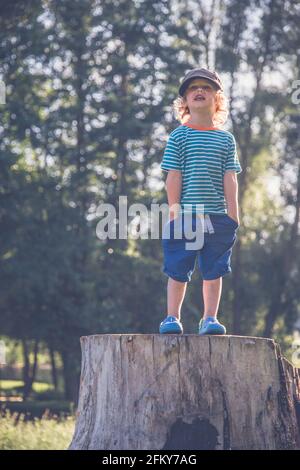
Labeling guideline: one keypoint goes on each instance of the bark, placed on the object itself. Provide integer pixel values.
(185, 392)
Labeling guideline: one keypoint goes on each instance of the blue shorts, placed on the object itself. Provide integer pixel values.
(213, 257)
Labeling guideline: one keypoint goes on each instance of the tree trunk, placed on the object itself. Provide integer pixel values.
(53, 367)
(26, 366)
(71, 375)
(29, 372)
(185, 392)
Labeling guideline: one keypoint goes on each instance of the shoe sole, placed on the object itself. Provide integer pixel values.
(169, 330)
(213, 330)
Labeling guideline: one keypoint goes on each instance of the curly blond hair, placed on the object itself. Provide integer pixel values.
(182, 112)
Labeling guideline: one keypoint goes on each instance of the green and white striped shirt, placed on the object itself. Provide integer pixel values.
(203, 155)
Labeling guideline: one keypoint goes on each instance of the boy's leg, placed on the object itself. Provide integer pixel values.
(176, 294)
(209, 325)
(214, 260)
(211, 296)
(214, 263)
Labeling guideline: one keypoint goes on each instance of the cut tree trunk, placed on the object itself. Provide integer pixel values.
(173, 392)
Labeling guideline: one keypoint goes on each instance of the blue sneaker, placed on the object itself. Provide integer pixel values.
(170, 325)
(211, 326)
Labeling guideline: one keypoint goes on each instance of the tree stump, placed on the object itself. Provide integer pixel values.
(171, 392)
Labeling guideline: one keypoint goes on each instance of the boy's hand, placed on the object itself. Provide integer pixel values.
(173, 214)
(234, 217)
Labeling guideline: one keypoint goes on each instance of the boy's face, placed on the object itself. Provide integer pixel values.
(200, 93)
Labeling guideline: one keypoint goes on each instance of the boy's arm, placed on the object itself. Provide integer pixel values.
(231, 194)
(173, 186)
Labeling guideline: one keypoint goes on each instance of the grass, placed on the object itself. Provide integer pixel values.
(39, 434)
(45, 421)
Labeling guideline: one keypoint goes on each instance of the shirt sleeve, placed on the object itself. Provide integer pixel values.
(232, 161)
(171, 158)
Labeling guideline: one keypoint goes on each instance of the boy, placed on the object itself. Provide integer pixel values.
(202, 163)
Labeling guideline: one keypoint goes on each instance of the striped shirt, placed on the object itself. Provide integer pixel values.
(203, 155)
